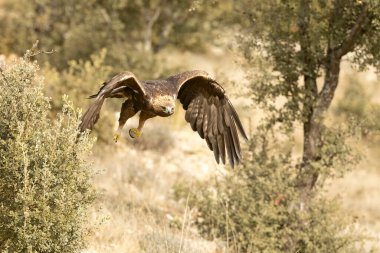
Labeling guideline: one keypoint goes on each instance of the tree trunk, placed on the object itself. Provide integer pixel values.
(317, 103)
(311, 149)
(313, 126)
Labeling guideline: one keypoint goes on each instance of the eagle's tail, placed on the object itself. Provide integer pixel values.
(91, 116)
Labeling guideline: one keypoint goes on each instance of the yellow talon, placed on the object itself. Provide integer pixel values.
(116, 137)
(134, 133)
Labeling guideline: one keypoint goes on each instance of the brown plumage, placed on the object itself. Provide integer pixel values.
(208, 110)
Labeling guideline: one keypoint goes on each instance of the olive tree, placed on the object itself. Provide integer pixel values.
(304, 42)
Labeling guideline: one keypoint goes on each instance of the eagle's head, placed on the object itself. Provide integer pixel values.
(163, 105)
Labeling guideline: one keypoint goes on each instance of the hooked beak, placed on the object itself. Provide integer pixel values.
(168, 110)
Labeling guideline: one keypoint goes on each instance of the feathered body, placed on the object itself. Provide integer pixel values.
(159, 93)
(208, 110)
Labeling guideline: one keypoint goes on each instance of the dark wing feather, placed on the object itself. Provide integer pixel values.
(109, 88)
(199, 125)
(210, 113)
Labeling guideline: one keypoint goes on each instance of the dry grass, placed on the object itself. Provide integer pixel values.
(137, 210)
(359, 189)
(135, 230)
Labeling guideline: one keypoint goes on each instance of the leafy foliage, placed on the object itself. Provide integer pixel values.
(300, 41)
(45, 180)
(77, 29)
(255, 208)
(287, 41)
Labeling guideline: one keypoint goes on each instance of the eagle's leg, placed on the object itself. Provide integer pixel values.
(128, 110)
(136, 132)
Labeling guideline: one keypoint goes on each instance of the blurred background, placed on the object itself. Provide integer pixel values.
(162, 192)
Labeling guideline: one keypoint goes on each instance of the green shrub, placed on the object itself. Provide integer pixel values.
(45, 180)
(256, 208)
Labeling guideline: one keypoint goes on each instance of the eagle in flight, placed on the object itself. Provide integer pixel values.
(208, 110)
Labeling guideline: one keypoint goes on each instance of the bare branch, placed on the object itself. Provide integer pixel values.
(34, 51)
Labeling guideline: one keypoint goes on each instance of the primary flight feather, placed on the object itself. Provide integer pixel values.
(208, 110)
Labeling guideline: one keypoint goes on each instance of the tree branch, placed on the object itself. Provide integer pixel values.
(149, 31)
(333, 59)
(326, 95)
(349, 42)
(310, 65)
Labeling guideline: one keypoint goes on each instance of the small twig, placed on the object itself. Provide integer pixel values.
(166, 239)
(228, 239)
(34, 51)
(183, 223)
(43, 52)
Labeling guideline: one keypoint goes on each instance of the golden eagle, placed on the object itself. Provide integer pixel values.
(208, 110)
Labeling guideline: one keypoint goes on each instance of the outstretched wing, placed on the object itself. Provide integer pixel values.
(210, 113)
(109, 88)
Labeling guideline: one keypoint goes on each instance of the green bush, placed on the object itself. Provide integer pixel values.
(45, 180)
(256, 208)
